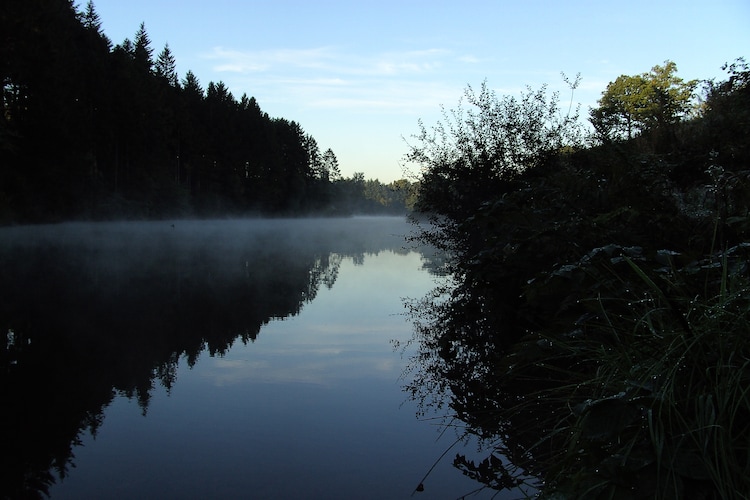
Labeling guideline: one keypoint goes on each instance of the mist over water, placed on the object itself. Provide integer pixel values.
(214, 236)
(194, 359)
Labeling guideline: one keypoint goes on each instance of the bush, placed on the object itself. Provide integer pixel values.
(594, 330)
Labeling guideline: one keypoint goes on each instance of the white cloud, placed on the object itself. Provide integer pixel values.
(231, 60)
(469, 59)
(329, 78)
(327, 60)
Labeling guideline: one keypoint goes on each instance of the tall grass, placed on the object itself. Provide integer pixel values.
(633, 383)
(654, 385)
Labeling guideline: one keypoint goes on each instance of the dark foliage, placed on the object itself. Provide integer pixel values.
(595, 330)
(91, 131)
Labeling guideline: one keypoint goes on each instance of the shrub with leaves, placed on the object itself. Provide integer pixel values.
(594, 329)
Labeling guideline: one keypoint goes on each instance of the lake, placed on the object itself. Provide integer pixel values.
(216, 359)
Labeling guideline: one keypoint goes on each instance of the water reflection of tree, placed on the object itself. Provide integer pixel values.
(453, 373)
(89, 317)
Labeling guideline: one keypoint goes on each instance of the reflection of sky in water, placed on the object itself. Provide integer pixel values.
(311, 409)
(343, 334)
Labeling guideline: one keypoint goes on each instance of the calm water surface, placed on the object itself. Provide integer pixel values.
(215, 359)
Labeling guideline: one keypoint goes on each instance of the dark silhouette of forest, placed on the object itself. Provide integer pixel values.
(92, 130)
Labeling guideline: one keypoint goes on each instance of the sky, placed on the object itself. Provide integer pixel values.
(358, 75)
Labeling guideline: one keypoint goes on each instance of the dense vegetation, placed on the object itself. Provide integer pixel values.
(89, 130)
(594, 330)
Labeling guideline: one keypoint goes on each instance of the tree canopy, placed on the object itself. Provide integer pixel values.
(634, 104)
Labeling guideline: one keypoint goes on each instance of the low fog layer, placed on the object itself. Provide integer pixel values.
(138, 242)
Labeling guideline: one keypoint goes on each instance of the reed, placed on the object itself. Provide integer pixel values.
(656, 385)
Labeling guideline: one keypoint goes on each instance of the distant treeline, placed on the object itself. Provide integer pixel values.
(96, 131)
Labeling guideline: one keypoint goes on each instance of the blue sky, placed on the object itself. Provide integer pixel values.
(358, 75)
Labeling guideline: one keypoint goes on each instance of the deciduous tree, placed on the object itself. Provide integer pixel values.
(634, 104)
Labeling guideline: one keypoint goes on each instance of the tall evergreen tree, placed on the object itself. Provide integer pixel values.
(191, 85)
(315, 161)
(331, 165)
(166, 66)
(142, 50)
(90, 18)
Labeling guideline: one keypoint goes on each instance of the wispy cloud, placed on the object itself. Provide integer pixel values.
(403, 97)
(332, 78)
(239, 61)
(326, 59)
(409, 62)
(469, 59)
